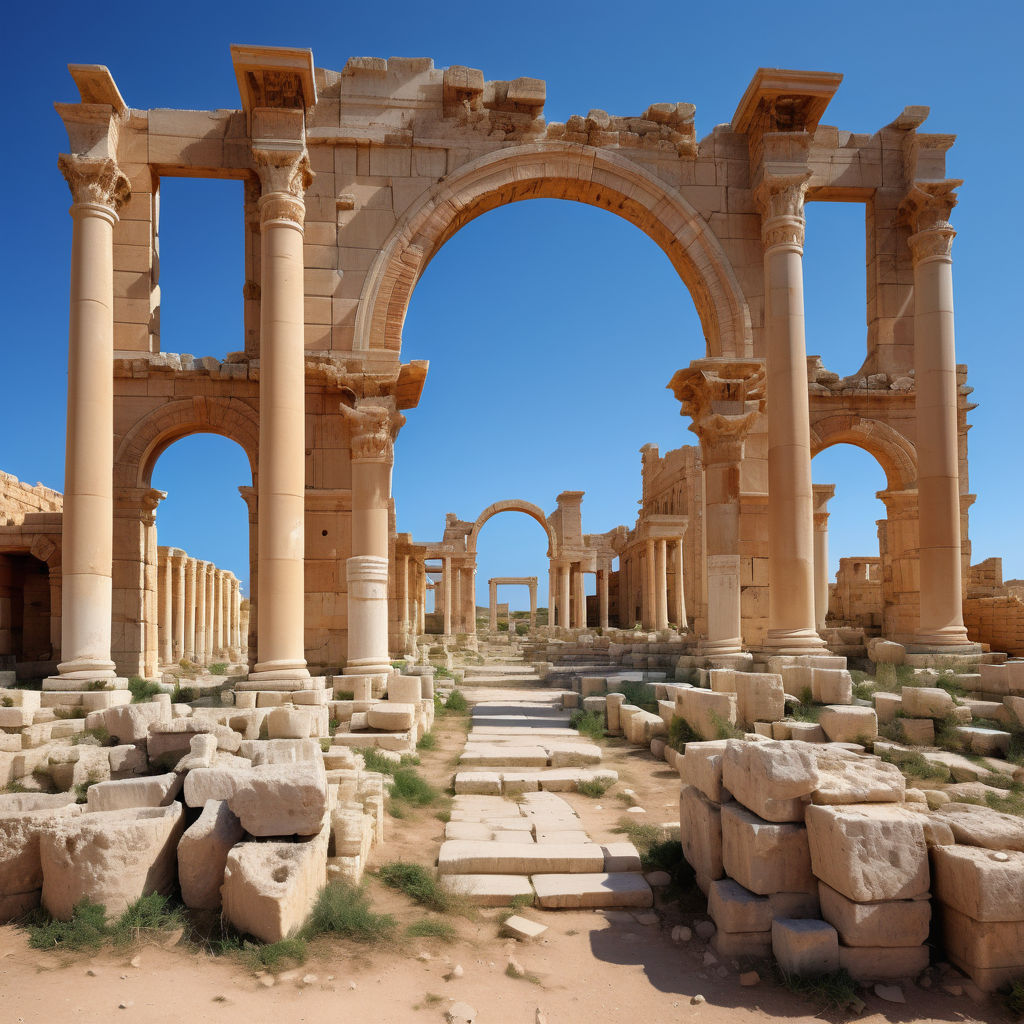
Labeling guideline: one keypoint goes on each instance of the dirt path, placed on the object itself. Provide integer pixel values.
(591, 967)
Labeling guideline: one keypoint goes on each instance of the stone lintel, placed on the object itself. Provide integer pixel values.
(779, 99)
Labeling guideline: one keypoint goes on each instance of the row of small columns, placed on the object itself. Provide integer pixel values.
(567, 601)
(200, 610)
(455, 597)
(662, 598)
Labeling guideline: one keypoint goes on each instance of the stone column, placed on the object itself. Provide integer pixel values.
(178, 560)
(661, 583)
(458, 610)
(723, 401)
(200, 592)
(533, 605)
(190, 608)
(165, 623)
(373, 425)
(284, 176)
(248, 622)
(651, 591)
(493, 605)
(551, 593)
(446, 590)
(823, 493)
(602, 598)
(564, 603)
(403, 581)
(218, 613)
(679, 596)
(941, 618)
(421, 626)
(98, 188)
(791, 625)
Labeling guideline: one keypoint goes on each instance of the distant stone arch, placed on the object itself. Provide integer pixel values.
(890, 449)
(155, 432)
(595, 177)
(513, 505)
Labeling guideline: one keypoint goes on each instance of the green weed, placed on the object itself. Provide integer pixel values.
(588, 723)
(345, 910)
(456, 702)
(432, 928)
(680, 732)
(594, 787)
(428, 741)
(142, 689)
(217, 668)
(183, 694)
(419, 884)
(99, 735)
(835, 990)
(408, 785)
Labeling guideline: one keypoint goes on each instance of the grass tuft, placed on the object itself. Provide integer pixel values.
(432, 928)
(428, 741)
(680, 732)
(835, 990)
(89, 928)
(142, 689)
(588, 723)
(1013, 996)
(594, 787)
(344, 909)
(408, 785)
(456, 702)
(183, 694)
(99, 737)
(419, 884)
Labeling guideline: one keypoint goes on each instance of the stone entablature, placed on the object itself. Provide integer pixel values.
(18, 499)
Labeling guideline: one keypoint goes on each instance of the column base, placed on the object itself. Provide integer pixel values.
(711, 648)
(942, 640)
(86, 669)
(793, 641)
(280, 684)
(367, 667)
(73, 684)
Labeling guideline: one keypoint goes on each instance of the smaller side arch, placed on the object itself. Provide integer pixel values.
(894, 452)
(157, 430)
(512, 505)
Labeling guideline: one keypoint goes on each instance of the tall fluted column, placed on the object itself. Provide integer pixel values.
(602, 598)
(723, 400)
(165, 620)
(98, 190)
(493, 605)
(661, 583)
(190, 609)
(564, 602)
(822, 495)
(791, 623)
(217, 647)
(178, 560)
(284, 176)
(938, 480)
(679, 595)
(403, 580)
(373, 425)
(459, 610)
(211, 612)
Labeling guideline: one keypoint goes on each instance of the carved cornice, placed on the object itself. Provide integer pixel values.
(373, 426)
(95, 180)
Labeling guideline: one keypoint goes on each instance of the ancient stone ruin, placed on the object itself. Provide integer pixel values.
(849, 753)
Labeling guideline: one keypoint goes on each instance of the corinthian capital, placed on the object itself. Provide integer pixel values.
(96, 180)
(780, 198)
(373, 426)
(926, 208)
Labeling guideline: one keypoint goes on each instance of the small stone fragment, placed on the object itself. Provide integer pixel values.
(750, 978)
(890, 993)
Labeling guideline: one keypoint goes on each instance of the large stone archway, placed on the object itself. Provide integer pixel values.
(513, 505)
(555, 171)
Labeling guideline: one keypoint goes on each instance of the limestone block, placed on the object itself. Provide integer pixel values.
(73, 766)
(288, 723)
(15, 718)
(705, 711)
(612, 703)
(886, 652)
(466, 857)
(202, 753)
(805, 947)
(701, 767)
(150, 791)
(888, 923)
(845, 779)
(982, 944)
(359, 721)
(281, 800)
(617, 856)
(831, 686)
(700, 829)
(591, 686)
(986, 742)
(886, 706)
(759, 697)
(644, 726)
(392, 717)
(581, 890)
(270, 888)
(12, 803)
(736, 909)
(869, 852)
(489, 890)
(30, 700)
(742, 944)
(595, 704)
(126, 760)
(987, 885)
(883, 963)
(110, 857)
(304, 751)
(763, 856)
(573, 755)
(203, 853)
(926, 702)
(503, 755)
(773, 778)
(806, 732)
(20, 867)
(486, 783)
(918, 732)
(977, 825)
(565, 780)
(130, 723)
(848, 724)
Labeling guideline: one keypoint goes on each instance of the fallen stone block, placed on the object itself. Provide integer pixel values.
(977, 825)
(281, 751)
(203, 853)
(831, 686)
(869, 852)
(986, 742)
(845, 779)
(888, 923)
(479, 755)
(522, 929)
(805, 947)
(849, 724)
(489, 890)
(391, 717)
(20, 867)
(150, 791)
(773, 778)
(592, 890)
(742, 944)
(270, 888)
(706, 712)
(926, 702)
(618, 857)
(700, 829)
(701, 767)
(734, 908)
(110, 857)
(765, 857)
(886, 706)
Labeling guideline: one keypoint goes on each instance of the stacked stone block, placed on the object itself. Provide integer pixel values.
(367, 718)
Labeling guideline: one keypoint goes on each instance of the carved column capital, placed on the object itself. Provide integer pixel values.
(780, 199)
(926, 208)
(98, 181)
(373, 426)
(284, 176)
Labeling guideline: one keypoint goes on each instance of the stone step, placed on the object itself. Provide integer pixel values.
(580, 890)
(489, 890)
(473, 857)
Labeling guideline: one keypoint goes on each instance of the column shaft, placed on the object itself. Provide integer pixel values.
(563, 600)
(679, 595)
(602, 598)
(190, 609)
(165, 585)
(446, 576)
(661, 584)
(178, 647)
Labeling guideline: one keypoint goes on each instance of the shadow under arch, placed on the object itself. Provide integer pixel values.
(556, 171)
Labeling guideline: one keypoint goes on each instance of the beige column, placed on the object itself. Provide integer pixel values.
(98, 189)
(241, 640)
(938, 482)
(661, 583)
(165, 587)
(791, 624)
(446, 590)
(421, 627)
(823, 493)
(373, 425)
(678, 611)
(492, 608)
(178, 560)
(533, 605)
(211, 606)
(403, 580)
(471, 598)
(284, 177)
(190, 608)
(551, 593)
(218, 612)
(564, 603)
(651, 589)
(200, 648)
(458, 610)
(602, 598)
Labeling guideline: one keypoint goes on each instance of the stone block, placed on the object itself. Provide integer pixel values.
(736, 909)
(985, 884)
(701, 767)
(270, 888)
(489, 890)
(985, 742)
(203, 853)
(622, 856)
(763, 856)
(130, 723)
(883, 963)
(983, 945)
(869, 852)
(288, 723)
(466, 857)
(742, 944)
(700, 829)
(305, 751)
(806, 732)
(848, 724)
(918, 732)
(592, 890)
(886, 706)
(150, 791)
(849, 779)
(774, 778)
(705, 711)
(391, 717)
(888, 923)
(831, 686)
(805, 947)
(926, 702)
(110, 857)
(404, 689)
(20, 867)
(977, 825)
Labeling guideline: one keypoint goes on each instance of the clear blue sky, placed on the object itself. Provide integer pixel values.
(551, 328)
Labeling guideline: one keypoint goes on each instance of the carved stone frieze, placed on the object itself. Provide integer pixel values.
(95, 180)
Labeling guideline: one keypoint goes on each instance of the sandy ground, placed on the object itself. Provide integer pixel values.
(588, 967)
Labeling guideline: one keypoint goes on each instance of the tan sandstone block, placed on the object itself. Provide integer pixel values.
(883, 963)
(805, 947)
(701, 767)
(844, 724)
(986, 884)
(700, 828)
(764, 856)
(203, 853)
(773, 779)
(888, 923)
